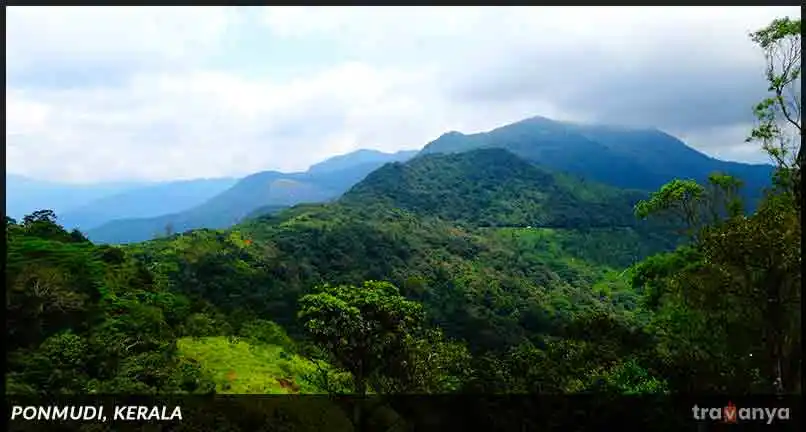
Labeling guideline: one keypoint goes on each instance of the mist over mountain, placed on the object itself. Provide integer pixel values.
(624, 157)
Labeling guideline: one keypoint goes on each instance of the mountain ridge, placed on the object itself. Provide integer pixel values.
(627, 157)
(623, 157)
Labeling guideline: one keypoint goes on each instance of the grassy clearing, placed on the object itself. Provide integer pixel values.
(240, 367)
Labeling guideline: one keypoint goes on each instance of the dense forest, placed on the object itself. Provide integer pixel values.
(466, 273)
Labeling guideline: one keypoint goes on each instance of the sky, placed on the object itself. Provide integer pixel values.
(161, 93)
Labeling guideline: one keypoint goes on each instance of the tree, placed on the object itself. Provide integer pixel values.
(732, 309)
(690, 206)
(779, 115)
(360, 327)
(42, 223)
(48, 216)
(380, 338)
(780, 133)
(760, 258)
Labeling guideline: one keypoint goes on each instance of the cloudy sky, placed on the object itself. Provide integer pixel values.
(114, 93)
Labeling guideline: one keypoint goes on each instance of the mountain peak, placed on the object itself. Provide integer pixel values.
(452, 133)
(538, 119)
(622, 156)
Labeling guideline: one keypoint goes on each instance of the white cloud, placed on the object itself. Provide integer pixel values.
(117, 93)
(24, 117)
(202, 124)
(39, 36)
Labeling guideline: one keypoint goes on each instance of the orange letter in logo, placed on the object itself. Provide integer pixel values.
(730, 413)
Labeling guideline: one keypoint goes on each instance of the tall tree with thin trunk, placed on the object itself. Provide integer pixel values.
(779, 115)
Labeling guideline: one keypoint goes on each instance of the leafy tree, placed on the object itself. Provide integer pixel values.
(361, 328)
(40, 216)
(779, 115)
(728, 305)
(428, 364)
(88, 319)
(379, 337)
(693, 206)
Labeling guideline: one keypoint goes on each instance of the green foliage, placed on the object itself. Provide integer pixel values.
(474, 272)
(240, 366)
(361, 328)
(737, 288)
(687, 204)
(492, 187)
(726, 308)
(266, 332)
(87, 319)
(202, 324)
(629, 378)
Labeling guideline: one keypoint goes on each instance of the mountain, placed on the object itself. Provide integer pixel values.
(493, 187)
(624, 157)
(545, 307)
(490, 284)
(488, 242)
(25, 195)
(628, 158)
(144, 202)
(253, 195)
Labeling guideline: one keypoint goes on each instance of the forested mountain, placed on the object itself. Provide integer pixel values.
(255, 194)
(491, 288)
(633, 159)
(630, 158)
(493, 187)
(473, 272)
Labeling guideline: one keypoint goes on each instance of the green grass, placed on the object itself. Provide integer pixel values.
(240, 367)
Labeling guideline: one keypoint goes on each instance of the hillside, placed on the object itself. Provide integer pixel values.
(629, 158)
(493, 187)
(538, 309)
(387, 228)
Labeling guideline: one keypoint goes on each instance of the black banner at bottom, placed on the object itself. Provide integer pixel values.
(400, 413)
